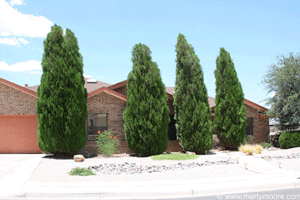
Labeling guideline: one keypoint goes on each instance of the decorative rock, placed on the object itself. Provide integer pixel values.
(79, 158)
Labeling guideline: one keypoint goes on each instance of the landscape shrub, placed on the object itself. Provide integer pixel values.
(250, 149)
(289, 139)
(107, 143)
(81, 172)
(265, 145)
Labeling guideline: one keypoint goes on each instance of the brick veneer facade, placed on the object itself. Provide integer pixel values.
(18, 100)
(15, 102)
(114, 107)
(260, 125)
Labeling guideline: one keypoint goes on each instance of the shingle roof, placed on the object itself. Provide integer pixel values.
(94, 86)
(98, 85)
(211, 100)
(89, 86)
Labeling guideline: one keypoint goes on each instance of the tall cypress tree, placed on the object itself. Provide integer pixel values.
(192, 111)
(230, 111)
(62, 102)
(146, 115)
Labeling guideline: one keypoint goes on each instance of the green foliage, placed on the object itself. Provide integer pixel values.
(107, 143)
(81, 172)
(62, 103)
(192, 111)
(230, 111)
(174, 156)
(146, 115)
(250, 139)
(289, 139)
(283, 80)
(266, 145)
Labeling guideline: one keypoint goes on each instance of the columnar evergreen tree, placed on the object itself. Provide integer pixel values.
(62, 103)
(146, 115)
(230, 111)
(192, 111)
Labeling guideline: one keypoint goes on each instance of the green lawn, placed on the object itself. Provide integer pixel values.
(174, 156)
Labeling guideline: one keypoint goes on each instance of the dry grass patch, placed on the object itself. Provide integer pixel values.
(250, 149)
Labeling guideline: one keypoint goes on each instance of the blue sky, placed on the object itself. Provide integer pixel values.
(253, 32)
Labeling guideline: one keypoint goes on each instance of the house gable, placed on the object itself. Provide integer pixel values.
(108, 91)
(16, 100)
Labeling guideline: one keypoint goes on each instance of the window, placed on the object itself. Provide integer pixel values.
(96, 122)
(249, 128)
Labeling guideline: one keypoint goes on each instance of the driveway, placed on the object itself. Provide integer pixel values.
(15, 169)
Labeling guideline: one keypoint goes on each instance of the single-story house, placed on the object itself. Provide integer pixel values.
(106, 104)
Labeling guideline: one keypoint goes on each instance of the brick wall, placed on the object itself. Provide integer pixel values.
(122, 90)
(260, 125)
(106, 103)
(15, 102)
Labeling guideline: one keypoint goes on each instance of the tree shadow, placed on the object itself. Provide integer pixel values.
(61, 156)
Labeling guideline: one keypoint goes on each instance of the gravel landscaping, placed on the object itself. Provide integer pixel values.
(135, 168)
(291, 156)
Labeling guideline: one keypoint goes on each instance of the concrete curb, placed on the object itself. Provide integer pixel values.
(159, 189)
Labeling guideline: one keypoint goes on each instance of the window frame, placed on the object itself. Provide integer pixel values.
(93, 130)
(250, 126)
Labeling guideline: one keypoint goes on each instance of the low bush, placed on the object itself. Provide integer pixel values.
(81, 172)
(107, 143)
(289, 139)
(174, 156)
(250, 149)
(258, 148)
(265, 145)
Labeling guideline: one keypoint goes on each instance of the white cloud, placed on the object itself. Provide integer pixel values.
(34, 72)
(16, 2)
(27, 66)
(13, 41)
(15, 23)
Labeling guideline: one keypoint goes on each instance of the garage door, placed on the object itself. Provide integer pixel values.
(18, 134)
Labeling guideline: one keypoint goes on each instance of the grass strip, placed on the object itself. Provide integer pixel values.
(174, 156)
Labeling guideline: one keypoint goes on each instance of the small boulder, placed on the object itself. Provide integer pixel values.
(79, 158)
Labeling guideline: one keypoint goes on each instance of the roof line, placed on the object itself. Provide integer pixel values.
(250, 103)
(108, 91)
(18, 87)
(118, 85)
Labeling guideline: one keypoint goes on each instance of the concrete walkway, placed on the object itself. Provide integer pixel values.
(49, 177)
